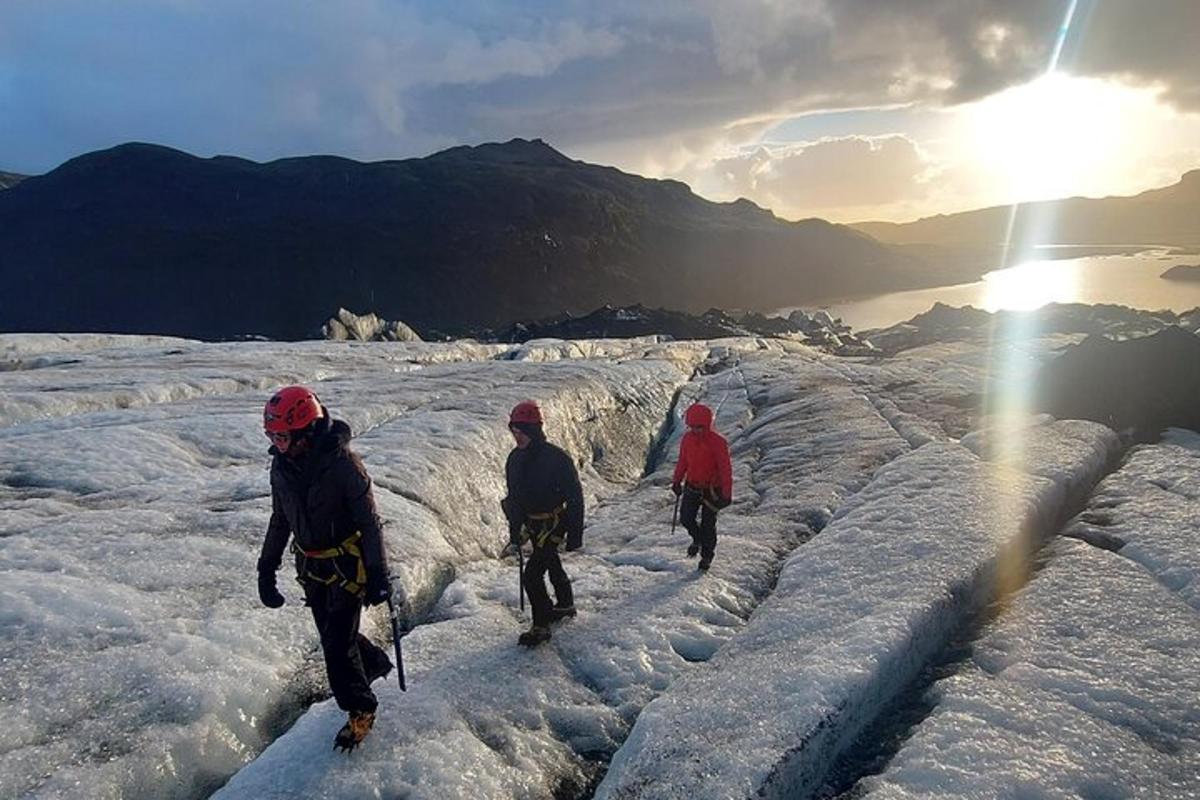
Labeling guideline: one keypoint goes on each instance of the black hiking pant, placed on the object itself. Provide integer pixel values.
(352, 661)
(703, 533)
(545, 560)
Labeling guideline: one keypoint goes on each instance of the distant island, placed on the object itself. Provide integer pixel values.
(1183, 272)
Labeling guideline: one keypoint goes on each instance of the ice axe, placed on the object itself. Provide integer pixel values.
(398, 628)
(675, 515)
(521, 575)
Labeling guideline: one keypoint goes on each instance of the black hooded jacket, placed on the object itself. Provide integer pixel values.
(322, 498)
(541, 477)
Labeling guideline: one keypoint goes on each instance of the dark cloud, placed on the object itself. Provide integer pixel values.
(1142, 42)
(379, 78)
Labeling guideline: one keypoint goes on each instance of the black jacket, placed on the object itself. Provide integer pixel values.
(321, 499)
(541, 477)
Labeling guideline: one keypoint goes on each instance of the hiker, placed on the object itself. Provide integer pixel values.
(704, 479)
(321, 498)
(544, 505)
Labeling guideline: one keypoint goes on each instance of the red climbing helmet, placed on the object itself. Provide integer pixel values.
(291, 409)
(698, 415)
(526, 412)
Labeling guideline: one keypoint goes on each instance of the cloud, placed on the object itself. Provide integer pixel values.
(841, 178)
(1141, 43)
(649, 86)
(364, 78)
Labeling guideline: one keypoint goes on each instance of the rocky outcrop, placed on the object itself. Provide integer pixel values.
(818, 330)
(945, 323)
(346, 326)
(1141, 386)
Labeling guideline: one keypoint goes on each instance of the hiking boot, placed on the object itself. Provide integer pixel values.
(693, 549)
(559, 613)
(534, 636)
(704, 564)
(354, 731)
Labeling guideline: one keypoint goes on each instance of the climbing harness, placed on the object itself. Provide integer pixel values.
(546, 529)
(335, 557)
(708, 495)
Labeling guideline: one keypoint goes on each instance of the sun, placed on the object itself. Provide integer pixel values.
(1051, 136)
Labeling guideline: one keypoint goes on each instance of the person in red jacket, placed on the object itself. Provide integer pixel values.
(704, 479)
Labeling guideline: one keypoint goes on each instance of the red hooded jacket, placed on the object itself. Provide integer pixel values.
(704, 455)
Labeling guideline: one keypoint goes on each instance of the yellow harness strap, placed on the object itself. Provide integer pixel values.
(547, 525)
(349, 547)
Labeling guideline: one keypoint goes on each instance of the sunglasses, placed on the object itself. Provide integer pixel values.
(282, 441)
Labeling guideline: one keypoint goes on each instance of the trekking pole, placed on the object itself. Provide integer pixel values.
(675, 515)
(398, 630)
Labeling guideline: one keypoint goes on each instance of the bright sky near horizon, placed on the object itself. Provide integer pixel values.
(845, 109)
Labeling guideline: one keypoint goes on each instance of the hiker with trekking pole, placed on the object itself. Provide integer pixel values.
(544, 506)
(702, 483)
(321, 500)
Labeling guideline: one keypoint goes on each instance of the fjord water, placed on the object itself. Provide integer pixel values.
(1130, 280)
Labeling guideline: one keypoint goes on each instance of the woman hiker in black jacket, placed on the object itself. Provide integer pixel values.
(544, 505)
(321, 498)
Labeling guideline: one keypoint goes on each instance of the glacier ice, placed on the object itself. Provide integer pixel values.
(1086, 687)
(875, 509)
(855, 615)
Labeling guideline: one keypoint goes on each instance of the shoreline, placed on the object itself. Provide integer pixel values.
(865, 311)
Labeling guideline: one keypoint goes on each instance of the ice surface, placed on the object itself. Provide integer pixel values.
(1149, 511)
(135, 660)
(58, 375)
(539, 724)
(134, 657)
(856, 613)
(1070, 453)
(1085, 688)
(18, 348)
(937, 391)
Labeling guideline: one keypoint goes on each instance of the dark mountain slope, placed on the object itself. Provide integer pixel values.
(147, 239)
(1166, 216)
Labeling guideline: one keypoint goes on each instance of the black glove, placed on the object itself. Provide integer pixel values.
(514, 535)
(722, 502)
(574, 540)
(267, 593)
(379, 588)
(677, 488)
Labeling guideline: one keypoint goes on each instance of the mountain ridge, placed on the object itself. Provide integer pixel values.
(10, 179)
(1165, 215)
(146, 238)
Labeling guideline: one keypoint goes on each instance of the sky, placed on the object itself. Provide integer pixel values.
(844, 109)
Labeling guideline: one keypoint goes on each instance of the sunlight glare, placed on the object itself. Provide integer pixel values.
(1052, 135)
(1030, 285)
